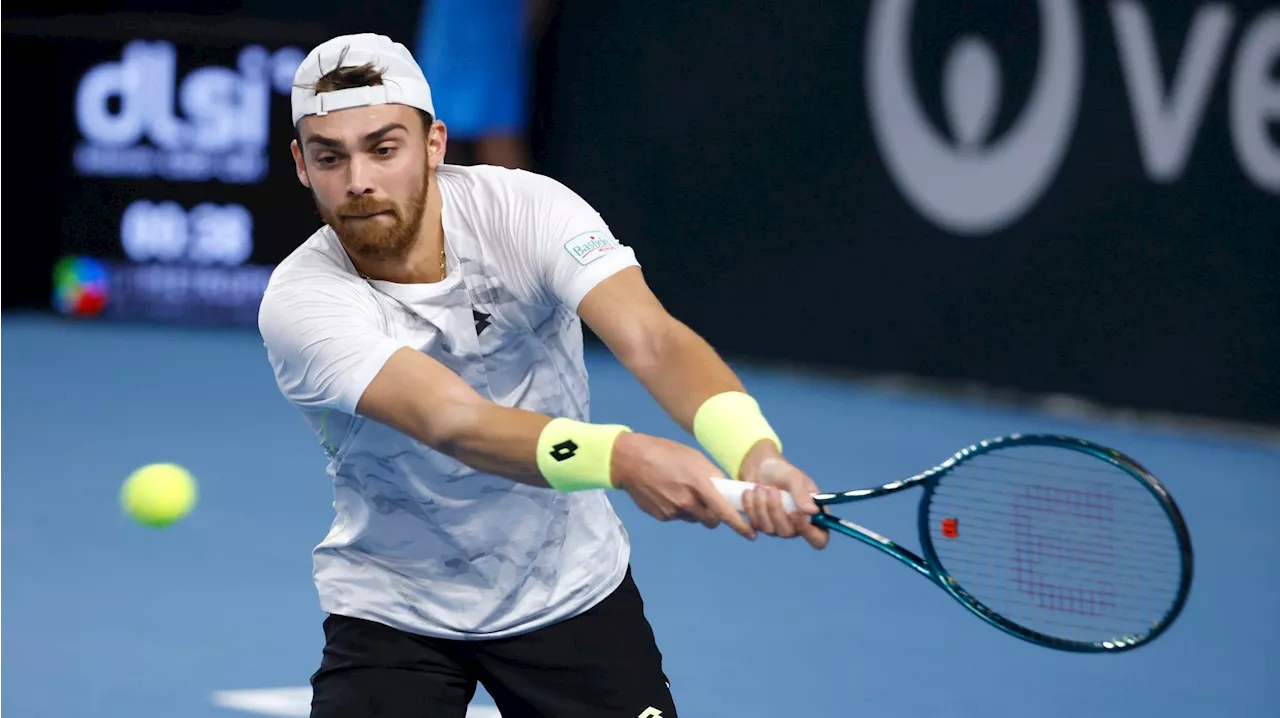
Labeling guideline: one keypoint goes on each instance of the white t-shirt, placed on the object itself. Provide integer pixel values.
(420, 541)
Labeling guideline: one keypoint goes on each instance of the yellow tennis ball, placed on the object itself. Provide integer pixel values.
(157, 495)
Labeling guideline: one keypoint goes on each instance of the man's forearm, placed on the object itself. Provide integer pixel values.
(681, 372)
(505, 442)
(421, 398)
(495, 439)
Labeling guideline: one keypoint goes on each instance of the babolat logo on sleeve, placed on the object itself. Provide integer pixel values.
(590, 246)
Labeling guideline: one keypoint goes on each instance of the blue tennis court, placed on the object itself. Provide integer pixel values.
(111, 620)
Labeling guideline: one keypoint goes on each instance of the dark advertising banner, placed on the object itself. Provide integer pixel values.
(1054, 196)
(177, 193)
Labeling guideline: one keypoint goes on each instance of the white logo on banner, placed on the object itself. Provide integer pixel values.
(982, 183)
(1169, 104)
(139, 118)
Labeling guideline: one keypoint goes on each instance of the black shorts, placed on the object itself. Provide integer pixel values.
(602, 663)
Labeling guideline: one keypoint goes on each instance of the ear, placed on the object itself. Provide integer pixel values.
(299, 164)
(437, 139)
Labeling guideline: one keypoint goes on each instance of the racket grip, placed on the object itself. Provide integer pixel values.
(733, 491)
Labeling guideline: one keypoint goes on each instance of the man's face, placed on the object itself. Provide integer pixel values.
(367, 168)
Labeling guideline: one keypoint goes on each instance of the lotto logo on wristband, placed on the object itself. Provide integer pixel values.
(564, 450)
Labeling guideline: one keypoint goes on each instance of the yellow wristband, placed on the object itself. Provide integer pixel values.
(728, 425)
(573, 455)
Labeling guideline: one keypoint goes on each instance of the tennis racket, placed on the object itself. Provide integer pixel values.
(1052, 539)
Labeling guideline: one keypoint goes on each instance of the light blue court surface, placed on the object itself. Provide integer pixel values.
(104, 618)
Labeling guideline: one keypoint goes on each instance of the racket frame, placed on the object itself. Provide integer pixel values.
(930, 566)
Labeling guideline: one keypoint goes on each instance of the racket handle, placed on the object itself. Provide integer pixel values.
(733, 491)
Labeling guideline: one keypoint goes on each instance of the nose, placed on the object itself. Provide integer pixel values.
(359, 177)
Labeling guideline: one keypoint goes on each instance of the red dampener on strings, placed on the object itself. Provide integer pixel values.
(951, 528)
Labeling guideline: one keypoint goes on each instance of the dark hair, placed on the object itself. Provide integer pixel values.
(345, 78)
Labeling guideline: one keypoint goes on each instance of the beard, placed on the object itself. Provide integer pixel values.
(378, 238)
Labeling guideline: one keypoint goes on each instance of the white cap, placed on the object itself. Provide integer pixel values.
(402, 81)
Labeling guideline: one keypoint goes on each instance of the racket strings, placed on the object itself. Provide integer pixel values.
(1067, 610)
(1058, 542)
(1142, 578)
(1016, 582)
(995, 580)
(1085, 495)
(1097, 550)
(1153, 538)
(1143, 526)
(1081, 469)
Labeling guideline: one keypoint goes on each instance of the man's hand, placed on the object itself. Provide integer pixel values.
(669, 480)
(772, 474)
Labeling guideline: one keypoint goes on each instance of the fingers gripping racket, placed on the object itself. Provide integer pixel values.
(1054, 540)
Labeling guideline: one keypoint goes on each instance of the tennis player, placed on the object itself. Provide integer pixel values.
(431, 334)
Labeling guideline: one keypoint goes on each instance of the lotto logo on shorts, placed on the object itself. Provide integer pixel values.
(590, 246)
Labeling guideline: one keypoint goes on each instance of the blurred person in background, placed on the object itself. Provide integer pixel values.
(479, 55)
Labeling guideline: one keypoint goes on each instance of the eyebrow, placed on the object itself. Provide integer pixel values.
(370, 138)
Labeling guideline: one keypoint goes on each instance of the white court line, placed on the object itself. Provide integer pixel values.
(296, 702)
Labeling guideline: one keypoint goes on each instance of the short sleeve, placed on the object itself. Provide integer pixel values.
(567, 242)
(324, 342)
